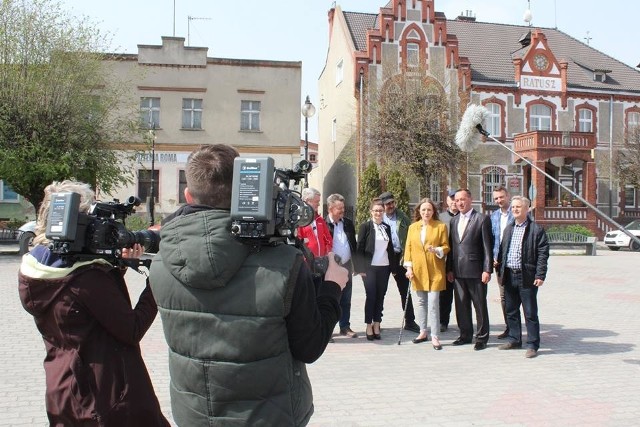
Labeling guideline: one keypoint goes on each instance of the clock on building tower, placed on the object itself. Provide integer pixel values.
(540, 62)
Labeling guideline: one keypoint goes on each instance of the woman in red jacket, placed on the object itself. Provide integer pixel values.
(94, 370)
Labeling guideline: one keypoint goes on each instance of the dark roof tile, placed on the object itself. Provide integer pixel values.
(491, 47)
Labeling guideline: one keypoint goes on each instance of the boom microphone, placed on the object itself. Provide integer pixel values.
(468, 135)
(468, 138)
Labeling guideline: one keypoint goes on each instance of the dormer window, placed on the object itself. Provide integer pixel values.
(600, 75)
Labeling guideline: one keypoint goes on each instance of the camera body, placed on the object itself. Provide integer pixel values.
(263, 207)
(100, 233)
(265, 210)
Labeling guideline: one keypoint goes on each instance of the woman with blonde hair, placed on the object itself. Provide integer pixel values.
(424, 258)
(94, 370)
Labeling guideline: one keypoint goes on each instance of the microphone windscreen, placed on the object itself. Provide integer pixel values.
(468, 137)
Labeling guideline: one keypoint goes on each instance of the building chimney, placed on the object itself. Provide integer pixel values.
(466, 15)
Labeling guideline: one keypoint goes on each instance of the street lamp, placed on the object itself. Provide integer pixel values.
(308, 110)
(152, 135)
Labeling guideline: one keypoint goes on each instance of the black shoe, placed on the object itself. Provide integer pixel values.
(370, 337)
(376, 335)
(412, 326)
(443, 328)
(480, 346)
(503, 335)
(460, 341)
(419, 340)
(510, 346)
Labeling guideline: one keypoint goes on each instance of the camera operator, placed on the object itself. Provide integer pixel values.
(240, 322)
(94, 370)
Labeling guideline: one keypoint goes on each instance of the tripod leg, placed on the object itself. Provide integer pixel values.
(404, 314)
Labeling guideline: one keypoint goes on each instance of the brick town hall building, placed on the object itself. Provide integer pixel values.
(558, 102)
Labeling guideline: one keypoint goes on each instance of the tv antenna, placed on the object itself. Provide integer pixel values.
(189, 19)
(588, 38)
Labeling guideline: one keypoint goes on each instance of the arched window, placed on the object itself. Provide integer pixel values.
(540, 117)
(492, 177)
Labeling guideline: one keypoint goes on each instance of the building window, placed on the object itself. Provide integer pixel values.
(334, 130)
(182, 184)
(493, 120)
(250, 115)
(413, 54)
(540, 118)
(492, 177)
(585, 120)
(312, 157)
(339, 72)
(7, 194)
(434, 189)
(633, 125)
(144, 184)
(191, 113)
(150, 113)
(630, 197)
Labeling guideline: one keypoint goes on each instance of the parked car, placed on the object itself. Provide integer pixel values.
(25, 238)
(617, 239)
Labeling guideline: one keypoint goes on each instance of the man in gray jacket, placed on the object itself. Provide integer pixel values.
(240, 323)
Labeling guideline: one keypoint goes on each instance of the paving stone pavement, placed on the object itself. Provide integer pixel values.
(587, 372)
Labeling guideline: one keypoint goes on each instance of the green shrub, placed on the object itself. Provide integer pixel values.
(573, 228)
(139, 222)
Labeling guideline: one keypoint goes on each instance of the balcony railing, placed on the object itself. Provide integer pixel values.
(554, 140)
(562, 213)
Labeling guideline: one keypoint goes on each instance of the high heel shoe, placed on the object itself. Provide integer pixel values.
(370, 337)
(436, 343)
(376, 335)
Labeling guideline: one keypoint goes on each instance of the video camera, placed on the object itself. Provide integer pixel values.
(100, 233)
(266, 211)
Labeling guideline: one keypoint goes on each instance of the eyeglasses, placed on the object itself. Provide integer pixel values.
(377, 210)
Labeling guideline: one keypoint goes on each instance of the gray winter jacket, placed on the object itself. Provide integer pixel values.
(223, 310)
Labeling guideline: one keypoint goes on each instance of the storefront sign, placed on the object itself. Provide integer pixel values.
(162, 157)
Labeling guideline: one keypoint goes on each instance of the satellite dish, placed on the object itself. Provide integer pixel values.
(527, 16)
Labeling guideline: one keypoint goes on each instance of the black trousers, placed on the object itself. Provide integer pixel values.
(400, 275)
(375, 288)
(468, 291)
(446, 301)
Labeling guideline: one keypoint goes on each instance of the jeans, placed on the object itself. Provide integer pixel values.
(517, 294)
(428, 311)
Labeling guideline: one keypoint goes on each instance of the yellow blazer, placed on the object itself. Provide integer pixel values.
(429, 271)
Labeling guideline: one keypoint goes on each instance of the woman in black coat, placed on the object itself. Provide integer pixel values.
(374, 255)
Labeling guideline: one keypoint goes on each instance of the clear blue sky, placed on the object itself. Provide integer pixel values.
(297, 30)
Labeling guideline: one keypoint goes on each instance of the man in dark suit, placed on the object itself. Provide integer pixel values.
(344, 245)
(470, 264)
